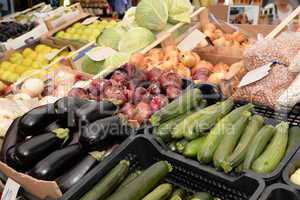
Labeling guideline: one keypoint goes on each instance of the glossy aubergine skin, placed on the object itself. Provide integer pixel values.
(12, 161)
(37, 119)
(66, 105)
(102, 133)
(12, 137)
(94, 110)
(54, 125)
(66, 181)
(36, 148)
(56, 163)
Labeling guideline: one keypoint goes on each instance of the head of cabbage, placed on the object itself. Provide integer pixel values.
(128, 20)
(135, 40)
(179, 11)
(152, 14)
(110, 37)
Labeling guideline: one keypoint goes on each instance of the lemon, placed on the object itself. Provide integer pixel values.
(32, 56)
(27, 52)
(27, 62)
(39, 48)
(5, 65)
(36, 65)
(20, 69)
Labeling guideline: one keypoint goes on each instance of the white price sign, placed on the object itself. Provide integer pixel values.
(10, 190)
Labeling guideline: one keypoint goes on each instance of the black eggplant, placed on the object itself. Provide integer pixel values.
(37, 119)
(54, 125)
(13, 161)
(12, 137)
(36, 148)
(102, 133)
(57, 163)
(65, 109)
(94, 110)
(66, 181)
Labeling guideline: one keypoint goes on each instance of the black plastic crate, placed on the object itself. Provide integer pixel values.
(142, 152)
(279, 191)
(291, 167)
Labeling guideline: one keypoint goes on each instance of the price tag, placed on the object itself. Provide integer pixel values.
(53, 54)
(191, 41)
(10, 190)
(101, 53)
(256, 74)
(89, 20)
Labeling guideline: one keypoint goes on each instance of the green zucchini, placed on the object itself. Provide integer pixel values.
(187, 125)
(164, 131)
(213, 139)
(180, 145)
(189, 100)
(202, 196)
(192, 147)
(194, 125)
(294, 138)
(258, 144)
(172, 146)
(230, 140)
(144, 183)
(129, 179)
(162, 192)
(239, 153)
(178, 194)
(109, 183)
(275, 151)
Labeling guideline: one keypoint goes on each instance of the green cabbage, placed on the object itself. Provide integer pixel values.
(179, 11)
(128, 20)
(90, 66)
(110, 37)
(136, 39)
(152, 14)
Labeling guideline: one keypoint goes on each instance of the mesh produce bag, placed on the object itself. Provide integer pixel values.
(267, 90)
(282, 49)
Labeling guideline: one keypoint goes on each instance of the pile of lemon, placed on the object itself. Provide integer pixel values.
(24, 63)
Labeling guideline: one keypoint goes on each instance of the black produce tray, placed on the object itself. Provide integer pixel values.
(279, 191)
(212, 94)
(292, 166)
(143, 152)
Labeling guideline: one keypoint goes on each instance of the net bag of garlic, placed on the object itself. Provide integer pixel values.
(267, 90)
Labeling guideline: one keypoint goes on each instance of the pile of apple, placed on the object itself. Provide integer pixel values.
(85, 33)
(20, 64)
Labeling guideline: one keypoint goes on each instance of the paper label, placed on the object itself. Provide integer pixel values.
(256, 75)
(191, 41)
(53, 54)
(101, 53)
(89, 20)
(10, 190)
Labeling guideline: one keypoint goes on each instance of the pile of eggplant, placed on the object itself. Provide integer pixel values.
(64, 140)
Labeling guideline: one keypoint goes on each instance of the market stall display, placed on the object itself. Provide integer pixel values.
(203, 135)
(105, 109)
(56, 145)
(193, 179)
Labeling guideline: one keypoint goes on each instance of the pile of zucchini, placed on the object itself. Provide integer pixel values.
(231, 139)
(149, 184)
(63, 141)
